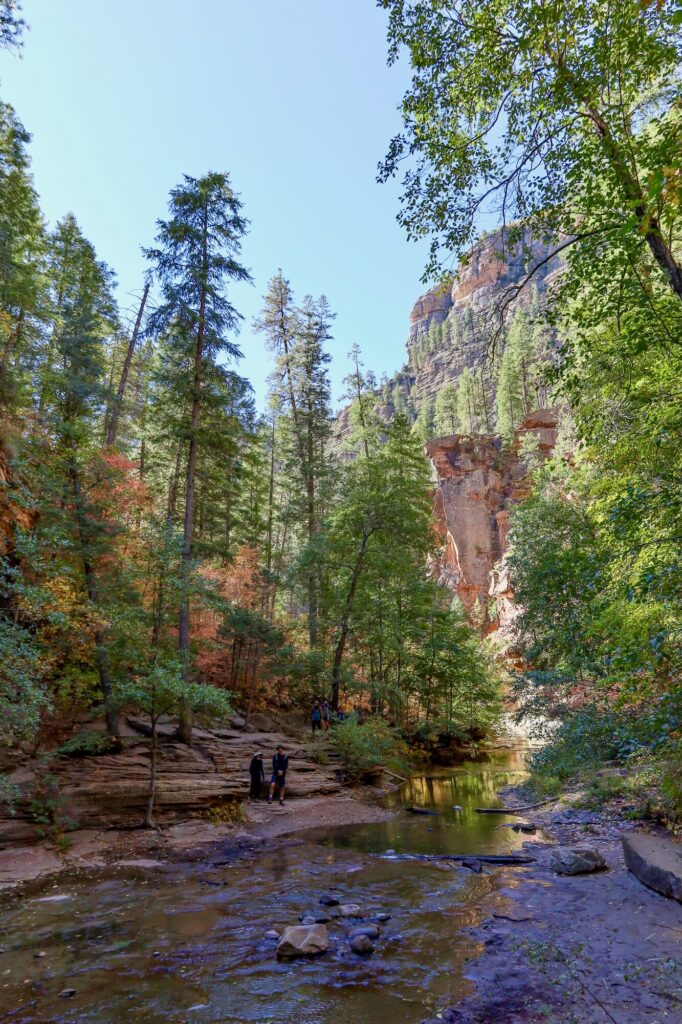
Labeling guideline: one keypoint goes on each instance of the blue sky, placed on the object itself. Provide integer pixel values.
(292, 97)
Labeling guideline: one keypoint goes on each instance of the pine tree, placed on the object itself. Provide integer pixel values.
(361, 393)
(73, 399)
(196, 257)
(22, 247)
(515, 392)
(422, 428)
(472, 409)
(445, 413)
(297, 336)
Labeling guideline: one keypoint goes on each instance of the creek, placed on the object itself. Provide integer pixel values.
(186, 942)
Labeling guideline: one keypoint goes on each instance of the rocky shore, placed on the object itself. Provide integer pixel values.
(575, 949)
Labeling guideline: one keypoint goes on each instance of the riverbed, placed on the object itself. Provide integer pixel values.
(186, 941)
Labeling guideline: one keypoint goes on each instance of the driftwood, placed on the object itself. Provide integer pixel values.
(422, 810)
(393, 775)
(483, 858)
(516, 810)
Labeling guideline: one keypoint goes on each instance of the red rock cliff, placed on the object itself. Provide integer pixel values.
(477, 483)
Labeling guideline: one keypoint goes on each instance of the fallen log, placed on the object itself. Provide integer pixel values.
(422, 810)
(394, 775)
(516, 810)
(483, 858)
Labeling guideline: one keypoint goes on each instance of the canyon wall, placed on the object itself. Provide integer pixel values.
(477, 482)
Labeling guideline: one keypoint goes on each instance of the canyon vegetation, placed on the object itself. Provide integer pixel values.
(495, 525)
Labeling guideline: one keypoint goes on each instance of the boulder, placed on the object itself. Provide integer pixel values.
(303, 940)
(656, 861)
(576, 860)
(362, 945)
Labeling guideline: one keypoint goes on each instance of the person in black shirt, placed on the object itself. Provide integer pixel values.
(280, 763)
(257, 773)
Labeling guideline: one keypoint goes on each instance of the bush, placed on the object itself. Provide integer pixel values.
(88, 743)
(363, 747)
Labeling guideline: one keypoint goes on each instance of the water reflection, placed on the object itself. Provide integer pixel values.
(169, 948)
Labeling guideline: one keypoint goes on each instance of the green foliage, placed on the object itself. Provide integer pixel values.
(47, 807)
(363, 747)
(22, 693)
(163, 690)
(88, 743)
(445, 411)
(508, 105)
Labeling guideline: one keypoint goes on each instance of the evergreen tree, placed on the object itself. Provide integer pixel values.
(422, 428)
(22, 245)
(73, 400)
(445, 413)
(515, 390)
(197, 255)
(301, 392)
(472, 406)
(361, 392)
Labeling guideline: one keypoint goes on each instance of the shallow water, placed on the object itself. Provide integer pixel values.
(186, 943)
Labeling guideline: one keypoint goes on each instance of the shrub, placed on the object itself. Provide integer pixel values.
(88, 743)
(365, 746)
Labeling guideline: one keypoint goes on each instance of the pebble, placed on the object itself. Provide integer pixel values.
(272, 934)
(383, 917)
(67, 993)
(329, 901)
(40, 955)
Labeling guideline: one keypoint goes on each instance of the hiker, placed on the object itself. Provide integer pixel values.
(326, 716)
(257, 773)
(280, 763)
(316, 717)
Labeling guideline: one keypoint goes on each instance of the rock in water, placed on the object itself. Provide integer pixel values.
(576, 860)
(349, 910)
(362, 945)
(372, 931)
(314, 917)
(271, 934)
(656, 861)
(329, 901)
(303, 940)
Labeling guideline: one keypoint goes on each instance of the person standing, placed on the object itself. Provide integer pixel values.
(280, 763)
(257, 773)
(316, 717)
(326, 716)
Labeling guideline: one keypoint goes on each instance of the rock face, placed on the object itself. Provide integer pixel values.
(303, 940)
(465, 307)
(576, 860)
(111, 790)
(478, 481)
(656, 861)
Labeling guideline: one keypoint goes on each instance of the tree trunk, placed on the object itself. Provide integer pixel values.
(185, 726)
(118, 401)
(345, 621)
(170, 516)
(111, 713)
